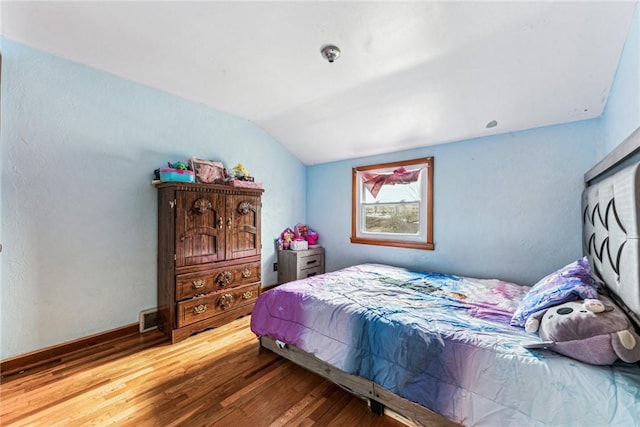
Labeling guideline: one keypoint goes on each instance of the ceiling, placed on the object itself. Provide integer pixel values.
(410, 74)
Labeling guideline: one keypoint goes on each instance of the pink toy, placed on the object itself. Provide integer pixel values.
(312, 237)
(304, 232)
(301, 230)
(287, 236)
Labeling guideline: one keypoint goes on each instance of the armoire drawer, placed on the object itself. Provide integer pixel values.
(200, 308)
(204, 282)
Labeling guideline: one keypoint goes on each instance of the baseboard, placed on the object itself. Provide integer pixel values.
(17, 364)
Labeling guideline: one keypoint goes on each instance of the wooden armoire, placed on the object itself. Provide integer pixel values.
(208, 256)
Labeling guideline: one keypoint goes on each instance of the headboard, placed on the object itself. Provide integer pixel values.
(611, 235)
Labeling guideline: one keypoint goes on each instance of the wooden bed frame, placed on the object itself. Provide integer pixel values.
(381, 400)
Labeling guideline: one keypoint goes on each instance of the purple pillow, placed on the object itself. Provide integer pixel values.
(571, 282)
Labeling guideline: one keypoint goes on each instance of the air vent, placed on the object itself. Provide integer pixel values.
(148, 320)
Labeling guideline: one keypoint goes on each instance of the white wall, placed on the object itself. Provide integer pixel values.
(79, 224)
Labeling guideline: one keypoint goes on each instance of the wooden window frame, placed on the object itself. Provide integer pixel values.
(427, 244)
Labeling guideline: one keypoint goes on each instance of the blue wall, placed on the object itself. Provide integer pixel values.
(79, 216)
(622, 112)
(79, 225)
(505, 206)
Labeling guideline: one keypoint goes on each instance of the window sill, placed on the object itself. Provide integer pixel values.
(427, 246)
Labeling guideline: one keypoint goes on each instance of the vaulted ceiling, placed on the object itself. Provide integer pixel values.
(410, 74)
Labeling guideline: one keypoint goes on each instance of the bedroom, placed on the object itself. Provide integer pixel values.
(79, 215)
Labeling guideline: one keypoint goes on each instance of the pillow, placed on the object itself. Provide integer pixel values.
(571, 282)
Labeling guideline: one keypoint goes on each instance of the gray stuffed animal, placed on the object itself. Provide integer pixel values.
(592, 331)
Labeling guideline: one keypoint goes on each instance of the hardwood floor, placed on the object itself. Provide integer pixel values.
(216, 378)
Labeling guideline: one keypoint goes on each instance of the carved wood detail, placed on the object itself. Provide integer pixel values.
(226, 301)
(201, 206)
(245, 207)
(224, 279)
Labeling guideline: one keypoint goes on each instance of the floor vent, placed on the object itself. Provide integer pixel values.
(148, 320)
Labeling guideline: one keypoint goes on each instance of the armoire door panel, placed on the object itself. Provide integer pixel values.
(243, 238)
(199, 229)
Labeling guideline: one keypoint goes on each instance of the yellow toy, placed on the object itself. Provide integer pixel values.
(240, 170)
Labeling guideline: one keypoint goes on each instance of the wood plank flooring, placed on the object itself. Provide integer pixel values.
(215, 378)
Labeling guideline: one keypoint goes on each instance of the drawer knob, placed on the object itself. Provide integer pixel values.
(199, 309)
(246, 273)
(197, 284)
(247, 295)
(224, 278)
(312, 262)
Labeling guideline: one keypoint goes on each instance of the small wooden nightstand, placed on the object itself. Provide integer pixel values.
(294, 265)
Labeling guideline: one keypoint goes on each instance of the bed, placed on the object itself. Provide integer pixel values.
(440, 349)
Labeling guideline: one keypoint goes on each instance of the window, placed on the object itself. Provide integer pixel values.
(392, 204)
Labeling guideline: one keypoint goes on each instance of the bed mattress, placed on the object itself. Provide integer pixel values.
(445, 342)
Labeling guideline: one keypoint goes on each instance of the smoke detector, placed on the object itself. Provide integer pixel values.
(330, 52)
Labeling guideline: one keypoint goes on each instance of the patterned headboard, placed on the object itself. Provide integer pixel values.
(611, 235)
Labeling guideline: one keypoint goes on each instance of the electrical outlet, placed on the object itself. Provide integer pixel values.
(275, 266)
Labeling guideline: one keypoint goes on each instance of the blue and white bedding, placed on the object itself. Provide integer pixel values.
(445, 342)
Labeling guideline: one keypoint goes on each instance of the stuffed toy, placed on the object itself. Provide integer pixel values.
(240, 170)
(287, 236)
(312, 237)
(592, 331)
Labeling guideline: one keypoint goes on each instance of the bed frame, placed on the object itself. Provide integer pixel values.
(381, 401)
(611, 228)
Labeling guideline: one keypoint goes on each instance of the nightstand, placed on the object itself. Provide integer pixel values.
(294, 265)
